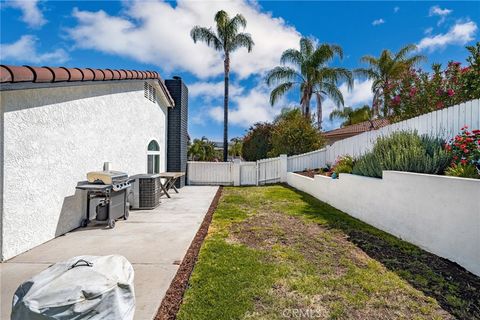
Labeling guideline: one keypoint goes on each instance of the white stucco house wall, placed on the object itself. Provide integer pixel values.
(56, 125)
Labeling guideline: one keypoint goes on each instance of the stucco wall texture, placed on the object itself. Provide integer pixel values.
(437, 213)
(53, 137)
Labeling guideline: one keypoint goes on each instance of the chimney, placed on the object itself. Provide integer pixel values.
(177, 137)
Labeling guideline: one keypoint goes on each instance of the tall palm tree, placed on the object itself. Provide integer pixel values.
(384, 70)
(311, 74)
(352, 116)
(226, 39)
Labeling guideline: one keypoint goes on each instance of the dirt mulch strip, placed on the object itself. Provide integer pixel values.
(174, 295)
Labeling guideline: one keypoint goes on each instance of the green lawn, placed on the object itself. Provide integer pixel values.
(276, 253)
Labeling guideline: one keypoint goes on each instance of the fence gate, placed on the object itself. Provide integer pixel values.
(268, 171)
(248, 173)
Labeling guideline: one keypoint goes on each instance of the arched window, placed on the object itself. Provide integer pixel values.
(153, 157)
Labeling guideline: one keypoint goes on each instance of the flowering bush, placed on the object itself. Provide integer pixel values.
(416, 92)
(343, 164)
(465, 149)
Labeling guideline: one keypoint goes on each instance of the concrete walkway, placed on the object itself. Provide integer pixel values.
(154, 241)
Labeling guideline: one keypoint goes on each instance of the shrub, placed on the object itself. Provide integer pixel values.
(256, 143)
(463, 170)
(343, 165)
(403, 151)
(294, 134)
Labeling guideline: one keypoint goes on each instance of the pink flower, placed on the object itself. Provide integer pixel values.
(440, 105)
(396, 99)
(450, 92)
(413, 91)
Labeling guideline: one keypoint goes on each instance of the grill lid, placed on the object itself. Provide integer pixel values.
(106, 177)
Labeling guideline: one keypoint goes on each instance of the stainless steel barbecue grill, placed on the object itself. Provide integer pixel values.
(110, 191)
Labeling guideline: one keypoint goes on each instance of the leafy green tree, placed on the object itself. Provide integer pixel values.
(202, 150)
(311, 74)
(384, 70)
(352, 116)
(257, 142)
(226, 39)
(293, 135)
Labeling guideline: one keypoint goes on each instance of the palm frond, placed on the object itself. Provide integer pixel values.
(206, 35)
(404, 51)
(242, 40)
(279, 91)
(292, 56)
(238, 21)
(306, 46)
(366, 73)
(282, 74)
(370, 60)
(332, 91)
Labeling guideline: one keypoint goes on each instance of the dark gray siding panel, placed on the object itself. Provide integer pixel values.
(177, 128)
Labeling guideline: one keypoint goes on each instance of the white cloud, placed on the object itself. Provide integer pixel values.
(378, 22)
(442, 13)
(249, 108)
(437, 11)
(212, 90)
(460, 33)
(396, 9)
(428, 30)
(31, 14)
(359, 96)
(144, 32)
(25, 50)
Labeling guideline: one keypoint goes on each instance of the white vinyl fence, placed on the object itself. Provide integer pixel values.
(444, 123)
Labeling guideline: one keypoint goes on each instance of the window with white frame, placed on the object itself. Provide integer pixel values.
(153, 157)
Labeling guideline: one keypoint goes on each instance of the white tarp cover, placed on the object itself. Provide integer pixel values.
(103, 290)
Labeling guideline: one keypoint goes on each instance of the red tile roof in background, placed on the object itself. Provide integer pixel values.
(16, 74)
(358, 128)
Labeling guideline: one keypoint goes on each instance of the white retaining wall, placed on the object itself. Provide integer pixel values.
(437, 213)
(52, 137)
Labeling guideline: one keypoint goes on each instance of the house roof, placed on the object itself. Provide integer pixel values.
(357, 128)
(30, 74)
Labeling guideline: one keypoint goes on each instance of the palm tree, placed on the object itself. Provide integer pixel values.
(386, 69)
(352, 116)
(309, 73)
(226, 39)
(235, 148)
(202, 150)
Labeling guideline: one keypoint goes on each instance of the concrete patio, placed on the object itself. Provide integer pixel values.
(154, 241)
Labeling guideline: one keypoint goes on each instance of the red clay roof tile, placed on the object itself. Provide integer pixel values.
(108, 74)
(358, 128)
(20, 74)
(75, 74)
(5, 74)
(59, 74)
(13, 74)
(116, 74)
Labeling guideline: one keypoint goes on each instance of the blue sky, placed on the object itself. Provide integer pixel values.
(154, 35)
